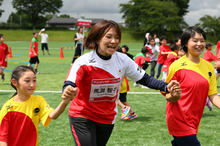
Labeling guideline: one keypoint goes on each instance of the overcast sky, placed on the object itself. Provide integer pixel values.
(109, 9)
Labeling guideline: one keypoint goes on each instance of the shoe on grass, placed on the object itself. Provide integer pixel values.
(3, 78)
(36, 72)
(144, 87)
(131, 116)
(136, 85)
(125, 110)
(209, 104)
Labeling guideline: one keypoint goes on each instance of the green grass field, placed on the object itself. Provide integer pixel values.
(149, 129)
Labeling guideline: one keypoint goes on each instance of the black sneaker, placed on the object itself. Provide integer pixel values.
(3, 78)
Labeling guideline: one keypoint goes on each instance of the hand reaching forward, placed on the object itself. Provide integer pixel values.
(175, 91)
(69, 93)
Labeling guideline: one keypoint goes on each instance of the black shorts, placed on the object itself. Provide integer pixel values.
(89, 133)
(78, 51)
(44, 45)
(122, 97)
(218, 70)
(34, 60)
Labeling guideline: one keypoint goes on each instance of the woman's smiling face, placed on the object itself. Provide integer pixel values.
(196, 45)
(108, 44)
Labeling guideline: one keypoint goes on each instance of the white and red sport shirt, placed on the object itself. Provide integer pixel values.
(98, 83)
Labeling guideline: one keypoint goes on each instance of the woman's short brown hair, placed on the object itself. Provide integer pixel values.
(98, 31)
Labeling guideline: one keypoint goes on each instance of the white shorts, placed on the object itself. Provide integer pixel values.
(1, 67)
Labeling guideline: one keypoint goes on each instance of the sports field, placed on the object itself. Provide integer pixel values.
(149, 129)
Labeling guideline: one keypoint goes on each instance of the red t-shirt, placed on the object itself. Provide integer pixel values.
(218, 47)
(140, 60)
(170, 59)
(34, 44)
(162, 58)
(197, 81)
(147, 58)
(208, 56)
(3, 53)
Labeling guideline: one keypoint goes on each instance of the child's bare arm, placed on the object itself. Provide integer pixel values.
(2, 143)
(68, 94)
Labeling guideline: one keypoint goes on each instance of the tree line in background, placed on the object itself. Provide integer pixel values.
(155, 16)
(142, 16)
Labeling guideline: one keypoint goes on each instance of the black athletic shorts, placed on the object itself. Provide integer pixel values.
(44, 45)
(122, 97)
(34, 60)
(89, 133)
(78, 51)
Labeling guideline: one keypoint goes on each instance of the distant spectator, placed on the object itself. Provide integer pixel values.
(125, 51)
(157, 40)
(44, 41)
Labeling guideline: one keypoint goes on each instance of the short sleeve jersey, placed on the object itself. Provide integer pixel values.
(124, 86)
(208, 56)
(99, 84)
(197, 81)
(34, 45)
(44, 37)
(218, 49)
(3, 53)
(162, 58)
(170, 59)
(19, 121)
(140, 60)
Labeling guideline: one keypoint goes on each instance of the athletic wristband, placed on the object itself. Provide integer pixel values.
(166, 90)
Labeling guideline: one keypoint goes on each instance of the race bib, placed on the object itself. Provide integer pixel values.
(104, 89)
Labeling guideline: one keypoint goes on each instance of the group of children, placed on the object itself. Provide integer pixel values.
(30, 109)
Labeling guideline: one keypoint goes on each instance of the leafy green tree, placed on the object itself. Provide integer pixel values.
(64, 16)
(15, 19)
(152, 16)
(182, 6)
(210, 24)
(37, 9)
(1, 11)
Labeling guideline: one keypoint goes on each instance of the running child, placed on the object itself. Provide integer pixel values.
(20, 116)
(164, 51)
(194, 74)
(170, 59)
(33, 53)
(140, 60)
(3, 56)
(208, 56)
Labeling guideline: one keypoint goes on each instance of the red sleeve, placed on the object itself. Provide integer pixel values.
(4, 129)
(150, 51)
(6, 50)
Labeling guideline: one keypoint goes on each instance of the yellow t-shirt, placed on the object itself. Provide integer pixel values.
(19, 120)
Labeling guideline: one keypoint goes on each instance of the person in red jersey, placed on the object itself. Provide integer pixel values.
(3, 56)
(170, 59)
(194, 74)
(20, 116)
(208, 55)
(164, 51)
(98, 76)
(33, 53)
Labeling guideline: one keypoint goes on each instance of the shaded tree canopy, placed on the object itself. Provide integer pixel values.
(64, 16)
(210, 24)
(153, 16)
(1, 11)
(36, 10)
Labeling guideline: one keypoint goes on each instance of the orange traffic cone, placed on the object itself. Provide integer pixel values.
(61, 53)
(10, 53)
